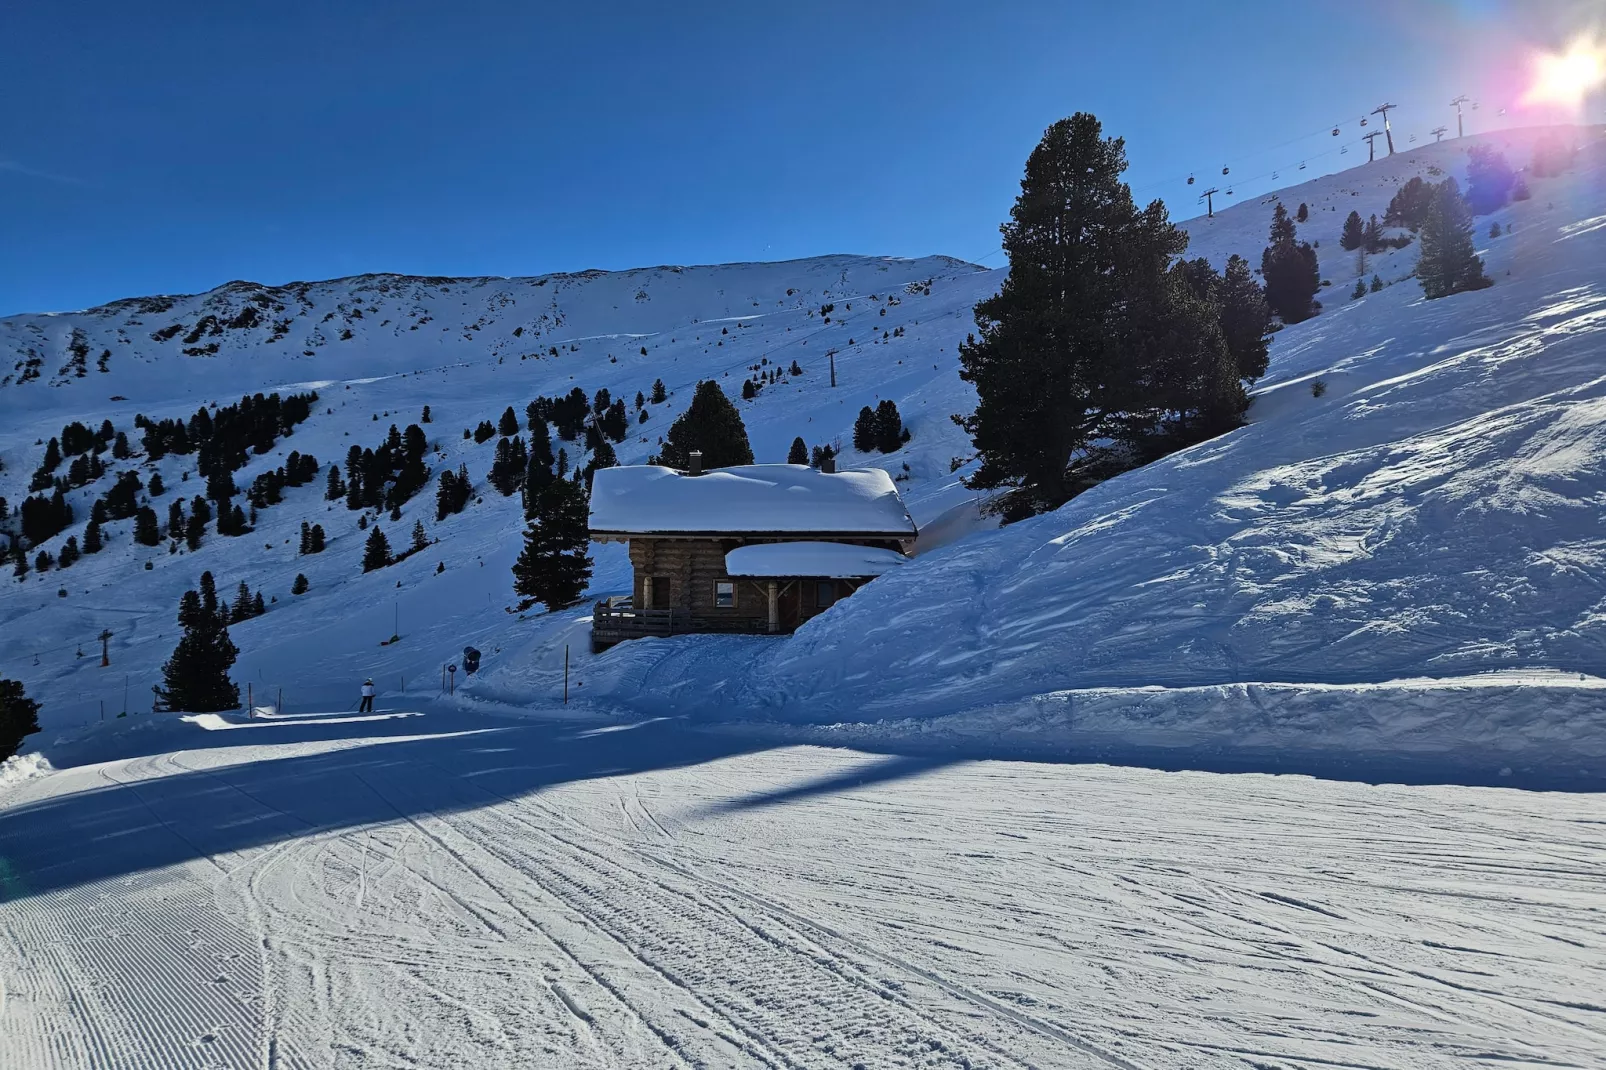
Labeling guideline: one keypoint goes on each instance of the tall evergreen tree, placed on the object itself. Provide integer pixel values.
(509, 423)
(196, 678)
(146, 532)
(1291, 271)
(420, 539)
(1354, 235)
(1489, 180)
(316, 543)
(1448, 262)
(554, 567)
(19, 717)
(92, 538)
(601, 457)
(890, 433)
(335, 489)
(799, 453)
(300, 585)
(711, 424)
(659, 394)
(865, 430)
(376, 554)
(1062, 347)
(241, 610)
(1409, 205)
(1245, 319)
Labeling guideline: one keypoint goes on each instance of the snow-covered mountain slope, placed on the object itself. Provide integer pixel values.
(991, 629)
(1436, 512)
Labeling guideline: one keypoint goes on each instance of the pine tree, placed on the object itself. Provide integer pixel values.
(146, 532)
(890, 433)
(92, 538)
(1359, 291)
(424, 416)
(1245, 319)
(52, 459)
(335, 489)
(749, 391)
(420, 539)
(1290, 269)
(120, 448)
(194, 530)
(258, 607)
(1489, 180)
(641, 400)
(659, 394)
(509, 423)
(1303, 215)
(864, 430)
(376, 554)
(1448, 262)
(306, 538)
(710, 424)
(602, 457)
(1065, 345)
(1410, 205)
(241, 609)
(69, 552)
(554, 567)
(19, 717)
(156, 487)
(196, 677)
(799, 453)
(1377, 283)
(175, 519)
(1354, 235)
(316, 544)
(1373, 240)
(300, 585)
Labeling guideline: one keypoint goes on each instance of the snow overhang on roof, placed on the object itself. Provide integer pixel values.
(747, 500)
(827, 560)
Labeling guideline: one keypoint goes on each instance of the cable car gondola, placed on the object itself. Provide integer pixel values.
(1190, 180)
(1226, 170)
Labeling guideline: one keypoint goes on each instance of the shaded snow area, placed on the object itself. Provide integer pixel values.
(450, 891)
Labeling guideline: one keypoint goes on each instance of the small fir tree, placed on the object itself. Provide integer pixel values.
(19, 717)
(420, 539)
(1354, 234)
(1291, 271)
(710, 424)
(554, 567)
(1448, 263)
(659, 394)
(376, 553)
(509, 423)
(196, 677)
(300, 585)
(799, 453)
(146, 531)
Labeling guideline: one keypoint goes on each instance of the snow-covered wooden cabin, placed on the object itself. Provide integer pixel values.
(756, 548)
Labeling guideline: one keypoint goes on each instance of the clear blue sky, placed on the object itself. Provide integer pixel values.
(170, 147)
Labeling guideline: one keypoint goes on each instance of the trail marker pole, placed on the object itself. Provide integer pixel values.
(832, 355)
(565, 674)
(102, 709)
(250, 703)
(105, 651)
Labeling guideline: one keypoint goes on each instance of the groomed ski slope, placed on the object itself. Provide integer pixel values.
(452, 891)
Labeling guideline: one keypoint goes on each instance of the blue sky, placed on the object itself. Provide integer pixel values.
(171, 147)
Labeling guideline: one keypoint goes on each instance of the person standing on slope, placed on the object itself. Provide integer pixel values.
(367, 697)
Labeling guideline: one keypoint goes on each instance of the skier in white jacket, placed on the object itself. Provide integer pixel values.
(367, 697)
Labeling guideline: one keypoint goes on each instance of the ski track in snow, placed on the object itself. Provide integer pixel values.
(412, 902)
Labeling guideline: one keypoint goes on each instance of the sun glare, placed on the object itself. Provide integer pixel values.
(1569, 77)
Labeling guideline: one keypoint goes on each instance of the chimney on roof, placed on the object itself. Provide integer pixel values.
(696, 463)
(828, 464)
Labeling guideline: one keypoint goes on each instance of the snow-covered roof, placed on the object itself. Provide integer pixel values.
(747, 499)
(834, 560)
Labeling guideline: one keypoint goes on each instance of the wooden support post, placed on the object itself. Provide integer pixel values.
(775, 608)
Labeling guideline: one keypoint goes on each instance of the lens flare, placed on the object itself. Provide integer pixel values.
(1567, 78)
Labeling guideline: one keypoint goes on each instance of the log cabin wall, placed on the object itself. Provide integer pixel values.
(693, 566)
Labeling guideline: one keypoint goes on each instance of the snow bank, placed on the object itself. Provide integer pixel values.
(23, 767)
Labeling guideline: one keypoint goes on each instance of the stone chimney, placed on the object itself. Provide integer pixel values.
(695, 467)
(828, 464)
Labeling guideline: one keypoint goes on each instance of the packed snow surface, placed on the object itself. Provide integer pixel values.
(790, 498)
(456, 891)
(830, 559)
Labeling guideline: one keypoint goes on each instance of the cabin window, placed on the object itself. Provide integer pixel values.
(724, 594)
(825, 593)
